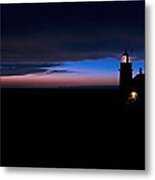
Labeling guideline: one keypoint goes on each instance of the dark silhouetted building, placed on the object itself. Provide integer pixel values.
(132, 88)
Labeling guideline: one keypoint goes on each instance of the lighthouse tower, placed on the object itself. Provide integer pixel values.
(125, 70)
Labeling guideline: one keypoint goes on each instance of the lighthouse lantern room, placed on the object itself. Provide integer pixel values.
(125, 70)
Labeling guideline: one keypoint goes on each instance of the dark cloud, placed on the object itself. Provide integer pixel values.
(54, 32)
(23, 69)
(58, 71)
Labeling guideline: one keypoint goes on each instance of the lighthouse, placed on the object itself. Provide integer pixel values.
(125, 70)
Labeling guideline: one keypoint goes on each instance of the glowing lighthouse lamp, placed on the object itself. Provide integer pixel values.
(126, 57)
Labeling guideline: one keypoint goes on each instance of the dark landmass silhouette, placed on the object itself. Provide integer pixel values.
(72, 128)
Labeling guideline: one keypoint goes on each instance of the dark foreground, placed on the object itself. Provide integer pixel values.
(71, 128)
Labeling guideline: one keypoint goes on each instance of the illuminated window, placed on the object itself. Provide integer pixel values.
(133, 96)
(124, 59)
(129, 59)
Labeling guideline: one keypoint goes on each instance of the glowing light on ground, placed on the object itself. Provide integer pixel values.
(133, 96)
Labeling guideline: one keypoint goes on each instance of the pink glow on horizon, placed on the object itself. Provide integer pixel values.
(55, 81)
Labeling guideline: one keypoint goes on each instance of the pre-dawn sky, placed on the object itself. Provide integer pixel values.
(54, 44)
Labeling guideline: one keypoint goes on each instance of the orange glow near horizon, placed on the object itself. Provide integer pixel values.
(55, 81)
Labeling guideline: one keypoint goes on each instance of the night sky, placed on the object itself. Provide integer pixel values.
(68, 44)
